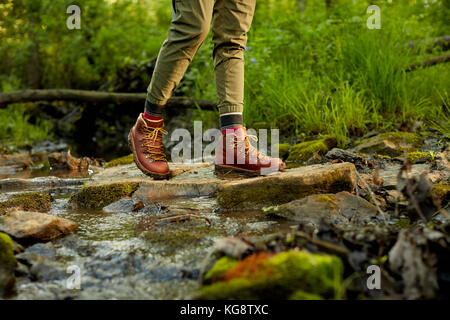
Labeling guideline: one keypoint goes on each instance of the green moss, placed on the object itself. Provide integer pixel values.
(441, 191)
(326, 198)
(305, 150)
(220, 267)
(120, 161)
(8, 264)
(280, 277)
(398, 137)
(95, 197)
(416, 156)
(33, 201)
(403, 223)
(283, 150)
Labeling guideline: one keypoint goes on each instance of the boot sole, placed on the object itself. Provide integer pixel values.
(154, 175)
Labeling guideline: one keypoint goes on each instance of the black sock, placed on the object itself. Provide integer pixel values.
(154, 110)
(231, 120)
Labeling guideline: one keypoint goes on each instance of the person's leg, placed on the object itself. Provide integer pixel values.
(231, 22)
(190, 27)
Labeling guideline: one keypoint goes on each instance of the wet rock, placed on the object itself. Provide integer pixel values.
(41, 267)
(34, 226)
(46, 250)
(8, 264)
(32, 201)
(303, 151)
(156, 190)
(282, 276)
(64, 160)
(16, 184)
(131, 205)
(287, 186)
(99, 196)
(346, 156)
(20, 160)
(390, 143)
(339, 208)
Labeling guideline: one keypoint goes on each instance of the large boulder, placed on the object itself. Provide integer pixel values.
(340, 208)
(31, 227)
(390, 143)
(8, 264)
(287, 186)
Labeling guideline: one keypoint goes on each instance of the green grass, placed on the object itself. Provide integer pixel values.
(17, 132)
(322, 71)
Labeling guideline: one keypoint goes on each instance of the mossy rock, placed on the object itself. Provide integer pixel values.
(120, 161)
(219, 269)
(303, 151)
(283, 150)
(8, 264)
(390, 143)
(419, 157)
(280, 276)
(96, 197)
(33, 201)
(441, 191)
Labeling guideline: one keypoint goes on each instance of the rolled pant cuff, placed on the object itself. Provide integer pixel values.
(154, 100)
(230, 108)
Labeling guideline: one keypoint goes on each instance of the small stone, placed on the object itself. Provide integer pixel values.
(391, 143)
(341, 208)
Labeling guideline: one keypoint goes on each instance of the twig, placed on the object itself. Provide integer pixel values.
(371, 195)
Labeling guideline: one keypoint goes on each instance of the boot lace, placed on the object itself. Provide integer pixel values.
(154, 151)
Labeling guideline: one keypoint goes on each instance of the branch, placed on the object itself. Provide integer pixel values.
(429, 62)
(95, 96)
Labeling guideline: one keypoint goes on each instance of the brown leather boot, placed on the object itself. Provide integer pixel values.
(145, 140)
(243, 158)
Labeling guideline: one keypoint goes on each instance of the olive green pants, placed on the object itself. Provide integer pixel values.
(231, 20)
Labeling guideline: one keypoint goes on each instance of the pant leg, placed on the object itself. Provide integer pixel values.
(189, 29)
(231, 22)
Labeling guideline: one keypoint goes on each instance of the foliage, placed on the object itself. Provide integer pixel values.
(310, 67)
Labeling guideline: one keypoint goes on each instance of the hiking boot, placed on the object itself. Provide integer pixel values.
(243, 158)
(145, 140)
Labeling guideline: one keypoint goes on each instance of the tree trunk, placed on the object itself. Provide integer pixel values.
(96, 97)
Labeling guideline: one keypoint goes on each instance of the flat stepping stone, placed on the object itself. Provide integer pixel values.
(283, 187)
(196, 180)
